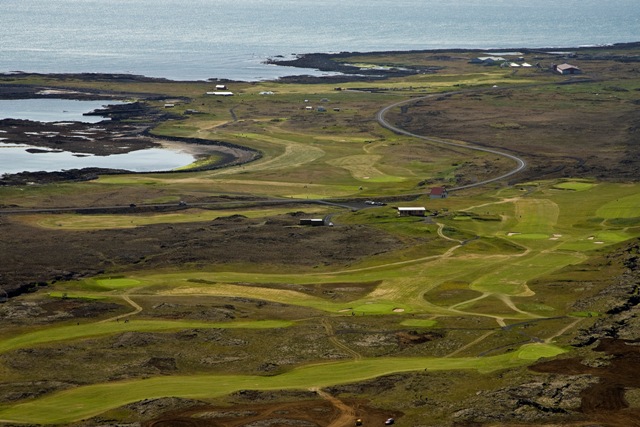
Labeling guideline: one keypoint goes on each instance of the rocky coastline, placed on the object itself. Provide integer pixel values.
(127, 129)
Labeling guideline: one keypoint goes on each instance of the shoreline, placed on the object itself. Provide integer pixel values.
(321, 61)
(230, 154)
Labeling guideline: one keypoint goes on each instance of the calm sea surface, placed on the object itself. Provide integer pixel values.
(200, 39)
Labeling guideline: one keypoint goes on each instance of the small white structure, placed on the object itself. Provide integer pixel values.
(225, 93)
(221, 87)
(411, 211)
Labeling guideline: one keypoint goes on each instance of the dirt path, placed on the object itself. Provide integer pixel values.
(441, 233)
(347, 413)
(335, 341)
(136, 309)
(471, 344)
(562, 331)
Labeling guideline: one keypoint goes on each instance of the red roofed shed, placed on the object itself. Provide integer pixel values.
(438, 193)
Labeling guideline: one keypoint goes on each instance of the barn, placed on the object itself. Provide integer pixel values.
(566, 69)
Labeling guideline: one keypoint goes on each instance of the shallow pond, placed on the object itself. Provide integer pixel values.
(15, 158)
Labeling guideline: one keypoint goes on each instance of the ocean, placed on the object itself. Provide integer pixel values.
(231, 39)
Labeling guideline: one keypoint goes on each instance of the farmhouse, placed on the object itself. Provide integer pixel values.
(567, 69)
(438, 193)
(417, 211)
(221, 87)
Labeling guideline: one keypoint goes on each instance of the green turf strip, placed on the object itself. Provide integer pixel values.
(114, 327)
(83, 402)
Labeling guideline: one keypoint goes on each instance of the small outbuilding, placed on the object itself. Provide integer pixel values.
(220, 93)
(566, 69)
(312, 221)
(412, 211)
(438, 193)
(221, 87)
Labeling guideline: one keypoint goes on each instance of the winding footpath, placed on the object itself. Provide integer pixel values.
(380, 117)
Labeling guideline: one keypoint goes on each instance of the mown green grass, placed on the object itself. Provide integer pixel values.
(336, 159)
(623, 207)
(101, 222)
(83, 402)
(575, 185)
(117, 283)
(88, 330)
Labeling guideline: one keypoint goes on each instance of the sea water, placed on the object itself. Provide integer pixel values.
(53, 110)
(202, 39)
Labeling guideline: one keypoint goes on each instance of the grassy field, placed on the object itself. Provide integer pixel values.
(475, 281)
(87, 401)
(465, 285)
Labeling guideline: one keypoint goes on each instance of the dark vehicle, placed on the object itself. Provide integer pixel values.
(359, 422)
(389, 422)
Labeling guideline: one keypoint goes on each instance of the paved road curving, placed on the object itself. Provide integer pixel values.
(380, 117)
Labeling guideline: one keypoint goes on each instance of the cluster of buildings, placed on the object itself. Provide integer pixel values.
(564, 69)
(435, 193)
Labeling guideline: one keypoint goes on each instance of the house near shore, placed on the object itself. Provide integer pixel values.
(488, 60)
(438, 193)
(221, 87)
(412, 211)
(566, 69)
(220, 93)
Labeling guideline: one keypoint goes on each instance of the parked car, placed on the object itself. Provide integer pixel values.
(389, 421)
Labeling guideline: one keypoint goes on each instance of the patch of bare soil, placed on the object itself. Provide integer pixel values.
(51, 310)
(31, 256)
(604, 402)
(307, 411)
